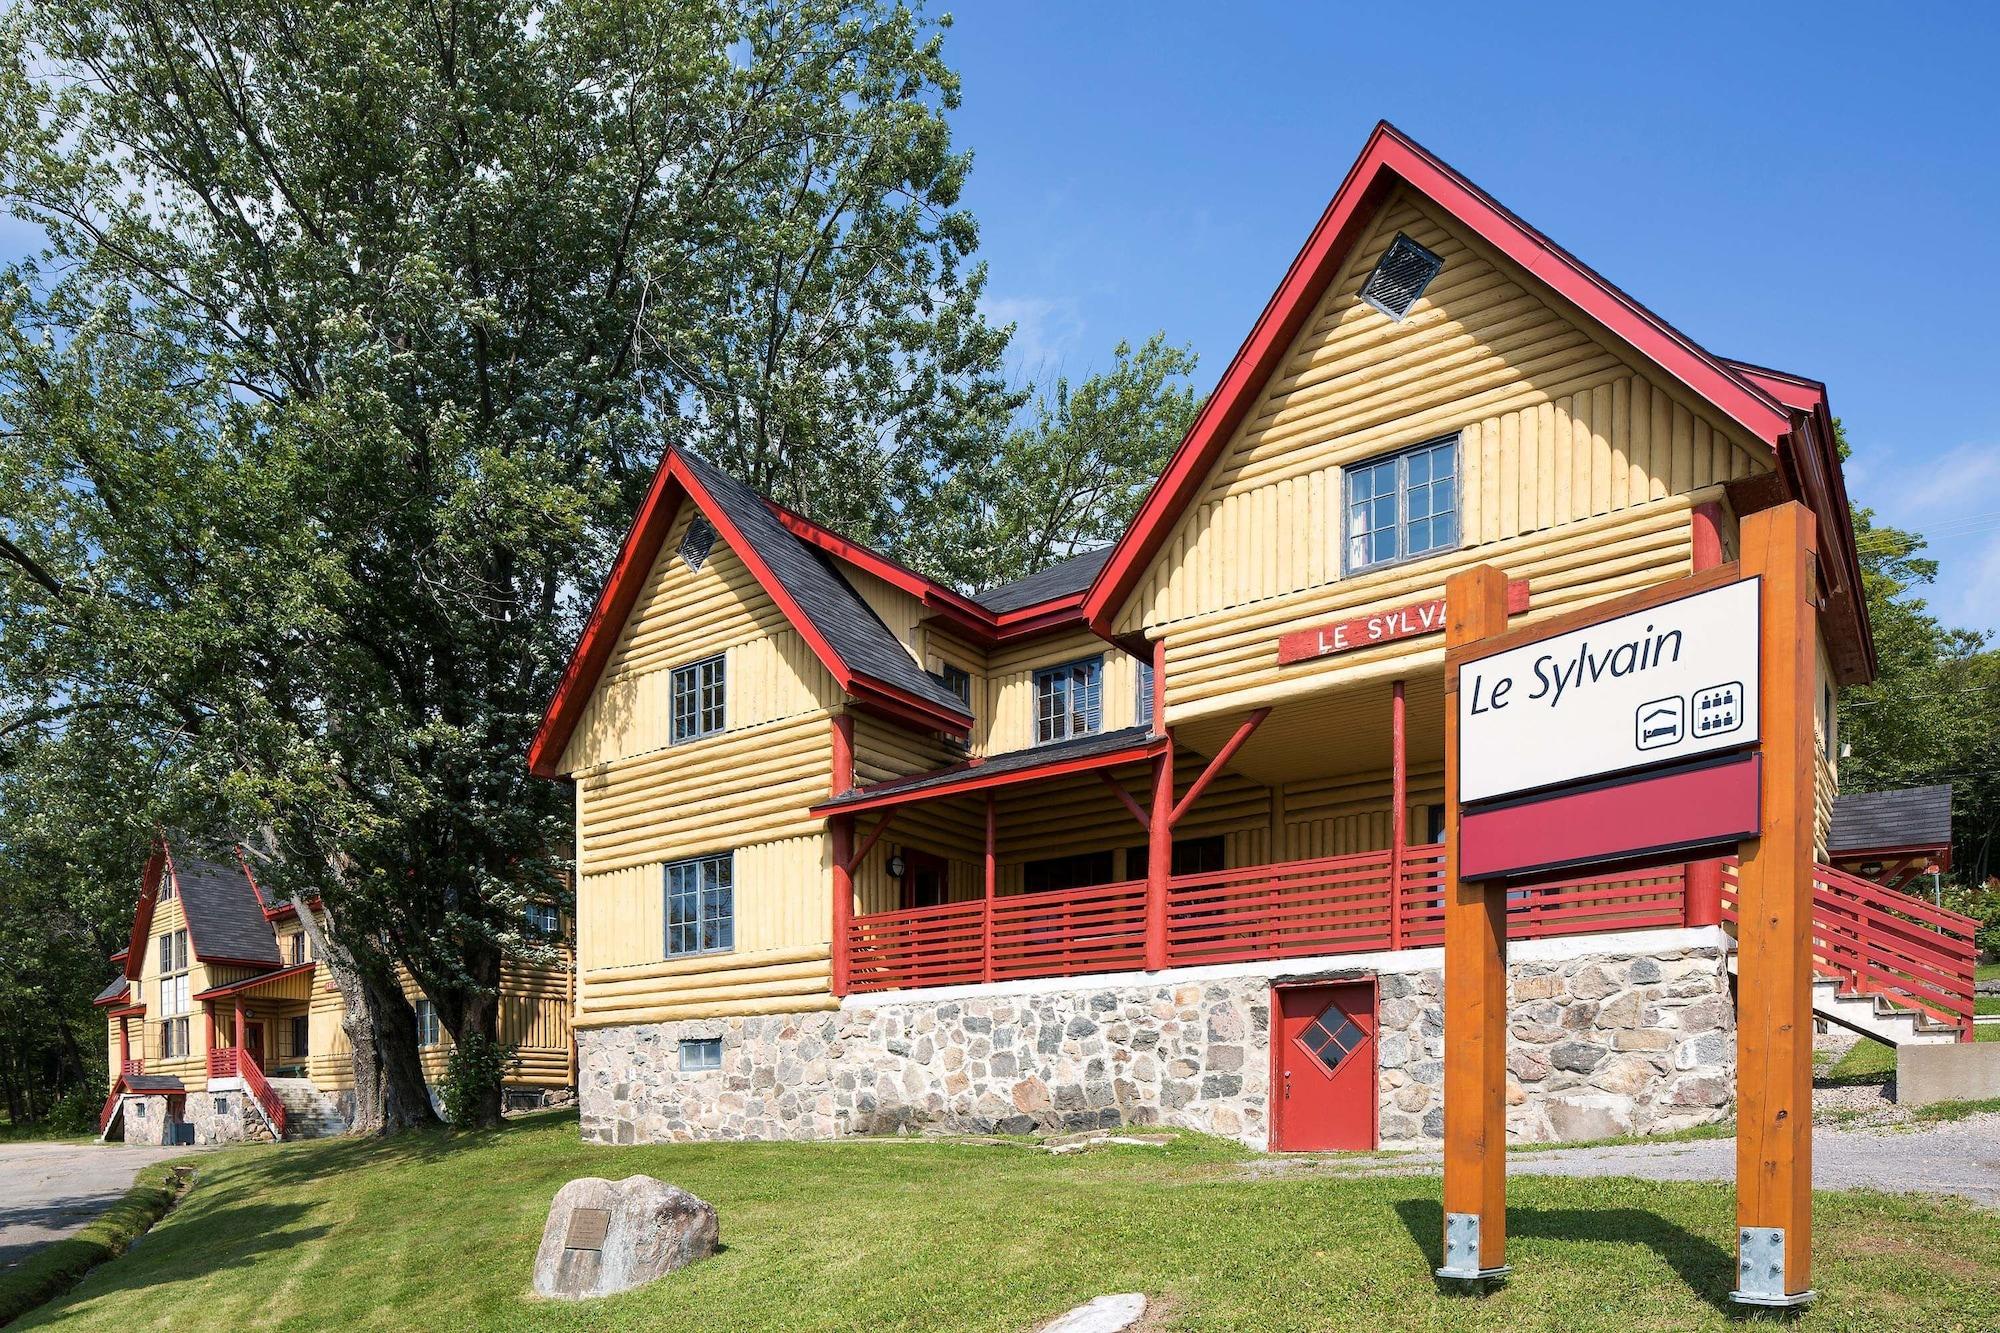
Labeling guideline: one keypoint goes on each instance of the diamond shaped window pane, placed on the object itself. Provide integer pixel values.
(1332, 1037)
(1400, 277)
(695, 544)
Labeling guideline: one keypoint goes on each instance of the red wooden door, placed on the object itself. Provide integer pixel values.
(1323, 1067)
(253, 1042)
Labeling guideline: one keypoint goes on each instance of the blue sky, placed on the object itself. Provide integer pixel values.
(1811, 187)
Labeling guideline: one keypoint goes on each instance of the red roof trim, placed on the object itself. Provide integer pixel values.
(142, 915)
(252, 983)
(1388, 158)
(117, 999)
(129, 1011)
(977, 781)
(621, 591)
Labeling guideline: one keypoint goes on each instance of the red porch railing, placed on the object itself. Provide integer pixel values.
(1293, 909)
(1884, 942)
(110, 1109)
(229, 1062)
(134, 1067)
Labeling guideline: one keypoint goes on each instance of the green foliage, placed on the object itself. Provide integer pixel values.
(474, 1069)
(56, 1267)
(1069, 475)
(1932, 714)
(356, 335)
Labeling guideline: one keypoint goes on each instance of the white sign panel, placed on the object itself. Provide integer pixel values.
(1670, 682)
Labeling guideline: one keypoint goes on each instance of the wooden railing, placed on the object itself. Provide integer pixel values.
(1883, 942)
(229, 1062)
(110, 1109)
(132, 1067)
(1293, 909)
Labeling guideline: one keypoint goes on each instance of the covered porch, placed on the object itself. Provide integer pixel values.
(1308, 829)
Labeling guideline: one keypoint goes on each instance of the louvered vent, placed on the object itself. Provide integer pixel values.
(1406, 269)
(700, 537)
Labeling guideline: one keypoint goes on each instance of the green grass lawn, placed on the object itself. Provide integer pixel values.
(438, 1231)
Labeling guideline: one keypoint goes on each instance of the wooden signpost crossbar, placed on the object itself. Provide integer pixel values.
(1774, 944)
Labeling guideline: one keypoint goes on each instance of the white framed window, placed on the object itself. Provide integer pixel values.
(174, 975)
(427, 1024)
(167, 889)
(174, 1039)
(701, 905)
(543, 919)
(1403, 506)
(700, 1053)
(1144, 708)
(1069, 700)
(700, 694)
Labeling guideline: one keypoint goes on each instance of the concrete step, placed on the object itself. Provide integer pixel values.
(1873, 1016)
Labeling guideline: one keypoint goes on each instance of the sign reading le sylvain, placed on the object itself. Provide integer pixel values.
(1669, 682)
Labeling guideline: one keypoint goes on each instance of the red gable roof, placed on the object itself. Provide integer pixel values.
(1764, 409)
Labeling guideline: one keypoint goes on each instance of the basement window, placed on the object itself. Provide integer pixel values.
(697, 541)
(699, 1054)
(1400, 277)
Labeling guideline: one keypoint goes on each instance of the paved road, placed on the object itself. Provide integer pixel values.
(48, 1190)
(1961, 1158)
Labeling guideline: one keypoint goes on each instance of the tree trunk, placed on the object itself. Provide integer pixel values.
(381, 1028)
(474, 1010)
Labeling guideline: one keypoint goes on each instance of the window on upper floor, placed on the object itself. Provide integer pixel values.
(1069, 700)
(167, 888)
(1402, 506)
(174, 973)
(957, 680)
(699, 697)
(427, 1024)
(295, 949)
(174, 1039)
(1144, 708)
(543, 919)
(701, 905)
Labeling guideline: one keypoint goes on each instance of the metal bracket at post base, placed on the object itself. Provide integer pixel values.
(1760, 1270)
(1461, 1250)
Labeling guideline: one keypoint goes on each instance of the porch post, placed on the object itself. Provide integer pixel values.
(1704, 893)
(841, 832)
(992, 869)
(1774, 927)
(239, 1030)
(124, 1043)
(208, 1011)
(1399, 813)
(1160, 830)
(1475, 990)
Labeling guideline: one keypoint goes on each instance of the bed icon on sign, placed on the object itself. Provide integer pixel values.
(1718, 709)
(1659, 723)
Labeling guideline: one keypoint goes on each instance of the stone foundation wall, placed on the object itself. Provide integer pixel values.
(1606, 1044)
(145, 1120)
(225, 1117)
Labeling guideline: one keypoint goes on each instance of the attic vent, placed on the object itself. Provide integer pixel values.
(1406, 269)
(694, 546)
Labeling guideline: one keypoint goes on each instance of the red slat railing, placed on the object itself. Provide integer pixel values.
(222, 1062)
(260, 1088)
(1293, 909)
(110, 1109)
(1883, 942)
(134, 1067)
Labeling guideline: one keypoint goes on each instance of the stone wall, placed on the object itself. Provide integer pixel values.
(1609, 1043)
(1596, 1047)
(226, 1117)
(145, 1120)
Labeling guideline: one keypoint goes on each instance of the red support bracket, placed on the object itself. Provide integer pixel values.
(868, 844)
(1215, 765)
(1125, 797)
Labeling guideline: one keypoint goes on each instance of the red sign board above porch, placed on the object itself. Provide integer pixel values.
(1400, 622)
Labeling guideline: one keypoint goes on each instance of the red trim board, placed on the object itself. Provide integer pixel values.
(1694, 806)
(1399, 622)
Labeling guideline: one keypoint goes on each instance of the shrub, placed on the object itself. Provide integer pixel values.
(472, 1075)
(75, 1113)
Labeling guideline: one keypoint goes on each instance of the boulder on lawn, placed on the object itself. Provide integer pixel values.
(606, 1236)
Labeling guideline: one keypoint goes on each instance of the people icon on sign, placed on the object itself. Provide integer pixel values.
(1718, 709)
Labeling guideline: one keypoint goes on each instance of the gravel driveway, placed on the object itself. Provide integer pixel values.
(1961, 1158)
(48, 1190)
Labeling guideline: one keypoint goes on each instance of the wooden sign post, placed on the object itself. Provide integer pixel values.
(1475, 990)
(1677, 719)
(1774, 931)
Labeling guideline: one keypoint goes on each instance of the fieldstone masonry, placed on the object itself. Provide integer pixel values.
(1608, 1044)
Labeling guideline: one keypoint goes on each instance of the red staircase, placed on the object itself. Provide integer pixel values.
(1910, 957)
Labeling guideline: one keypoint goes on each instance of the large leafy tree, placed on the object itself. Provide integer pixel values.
(358, 329)
(1069, 473)
(1932, 714)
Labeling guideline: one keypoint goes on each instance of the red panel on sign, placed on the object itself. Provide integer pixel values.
(1401, 622)
(1612, 821)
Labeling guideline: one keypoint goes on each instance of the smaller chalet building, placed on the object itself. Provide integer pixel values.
(220, 1033)
(1153, 836)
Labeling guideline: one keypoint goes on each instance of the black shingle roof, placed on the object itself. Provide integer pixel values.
(115, 989)
(153, 1083)
(1069, 577)
(834, 608)
(1103, 742)
(1912, 817)
(225, 919)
